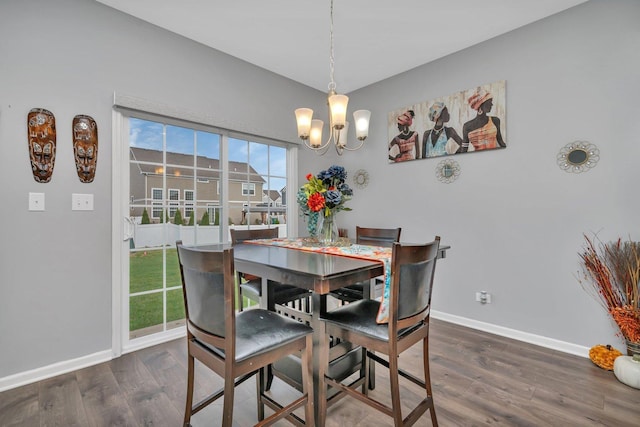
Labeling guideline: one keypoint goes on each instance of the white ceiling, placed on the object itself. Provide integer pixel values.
(373, 39)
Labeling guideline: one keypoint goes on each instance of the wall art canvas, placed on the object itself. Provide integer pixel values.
(467, 121)
(85, 147)
(41, 131)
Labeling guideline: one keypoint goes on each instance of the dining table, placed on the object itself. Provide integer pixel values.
(293, 262)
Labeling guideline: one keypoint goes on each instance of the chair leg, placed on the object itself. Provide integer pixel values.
(307, 384)
(269, 377)
(189, 403)
(394, 379)
(261, 389)
(240, 299)
(371, 375)
(427, 380)
(322, 383)
(365, 372)
(227, 407)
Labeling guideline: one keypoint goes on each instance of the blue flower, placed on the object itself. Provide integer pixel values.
(338, 172)
(345, 189)
(333, 198)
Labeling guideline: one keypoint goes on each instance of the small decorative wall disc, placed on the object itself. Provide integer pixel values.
(578, 157)
(361, 178)
(447, 171)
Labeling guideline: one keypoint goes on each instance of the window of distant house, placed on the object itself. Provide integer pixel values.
(174, 197)
(214, 212)
(248, 189)
(188, 202)
(156, 196)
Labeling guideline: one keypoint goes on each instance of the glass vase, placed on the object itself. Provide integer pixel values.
(328, 230)
(633, 348)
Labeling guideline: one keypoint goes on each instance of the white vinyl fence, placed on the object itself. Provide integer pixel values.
(158, 235)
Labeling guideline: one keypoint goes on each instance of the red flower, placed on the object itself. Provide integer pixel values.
(309, 176)
(316, 202)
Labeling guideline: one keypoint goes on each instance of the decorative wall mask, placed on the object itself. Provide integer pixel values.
(85, 147)
(41, 129)
(578, 156)
(447, 171)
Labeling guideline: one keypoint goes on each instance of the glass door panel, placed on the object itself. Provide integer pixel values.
(174, 182)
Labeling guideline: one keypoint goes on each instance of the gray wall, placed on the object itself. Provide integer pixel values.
(70, 56)
(515, 221)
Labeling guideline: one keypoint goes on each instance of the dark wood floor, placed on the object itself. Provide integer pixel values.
(479, 379)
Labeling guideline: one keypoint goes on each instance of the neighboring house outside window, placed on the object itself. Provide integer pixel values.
(248, 189)
(179, 178)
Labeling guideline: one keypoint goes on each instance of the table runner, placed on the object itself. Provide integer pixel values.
(370, 253)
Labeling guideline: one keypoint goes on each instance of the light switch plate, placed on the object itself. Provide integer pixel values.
(36, 201)
(81, 202)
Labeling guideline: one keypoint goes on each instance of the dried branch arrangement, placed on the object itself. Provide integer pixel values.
(610, 272)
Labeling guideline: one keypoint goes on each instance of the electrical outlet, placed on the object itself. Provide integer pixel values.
(36, 201)
(81, 202)
(483, 297)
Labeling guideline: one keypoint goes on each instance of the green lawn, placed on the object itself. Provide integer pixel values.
(145, 274)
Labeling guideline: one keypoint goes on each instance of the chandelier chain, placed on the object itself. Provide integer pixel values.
(332, 83)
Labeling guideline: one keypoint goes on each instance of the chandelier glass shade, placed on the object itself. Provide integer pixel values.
(310, 129)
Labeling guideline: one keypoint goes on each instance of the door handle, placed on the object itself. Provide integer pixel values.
(129, 228)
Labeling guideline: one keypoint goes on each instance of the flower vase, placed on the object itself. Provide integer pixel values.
(328, 234)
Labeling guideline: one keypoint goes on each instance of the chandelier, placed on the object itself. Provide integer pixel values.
(310, 130)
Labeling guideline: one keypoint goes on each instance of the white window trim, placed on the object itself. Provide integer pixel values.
(119, 206)
(250, 189)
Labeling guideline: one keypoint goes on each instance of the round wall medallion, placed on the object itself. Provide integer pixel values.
(578, 156)
(361, 178)
(447, 171)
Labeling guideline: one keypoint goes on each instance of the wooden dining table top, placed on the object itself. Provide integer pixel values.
(317, 272)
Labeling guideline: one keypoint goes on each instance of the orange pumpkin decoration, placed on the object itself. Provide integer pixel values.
(604, 356)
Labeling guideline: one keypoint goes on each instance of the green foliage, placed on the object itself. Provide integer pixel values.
(164, 217)
(205, 218)
(216, 219)
(145, 217)
(145, 274)
(191, 217)
(177, 218)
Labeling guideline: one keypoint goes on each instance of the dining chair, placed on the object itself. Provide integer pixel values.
(373, 237)
(412, 272)
(237, 345)
(251, 286)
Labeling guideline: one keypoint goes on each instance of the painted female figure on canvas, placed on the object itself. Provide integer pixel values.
(405, 145)
(482, 132)
(435, 142)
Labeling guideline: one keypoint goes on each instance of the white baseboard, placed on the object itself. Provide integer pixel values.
(539, 340)
(28, 377)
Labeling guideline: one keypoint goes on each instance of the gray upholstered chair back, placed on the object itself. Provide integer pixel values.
(239, 236)
(377, 236)
(203, 285)
(415, 280)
